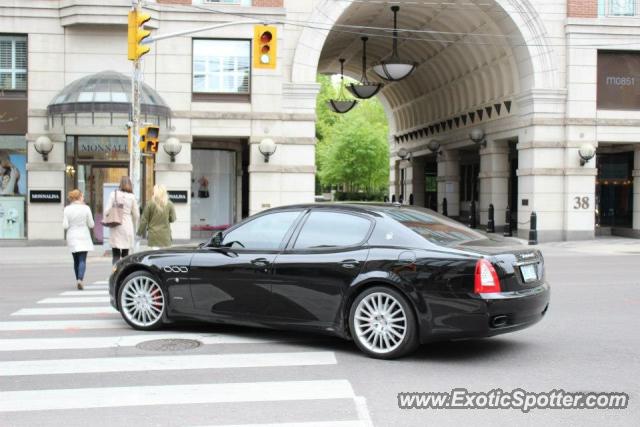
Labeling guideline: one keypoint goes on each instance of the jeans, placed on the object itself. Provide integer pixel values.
(117, 254)
(79, 264)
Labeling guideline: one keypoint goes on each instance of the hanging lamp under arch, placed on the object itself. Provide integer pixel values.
(341, 104)
(394, 68)
(365, 89)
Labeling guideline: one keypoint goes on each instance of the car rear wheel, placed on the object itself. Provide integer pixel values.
(141, 300)
(383, 324)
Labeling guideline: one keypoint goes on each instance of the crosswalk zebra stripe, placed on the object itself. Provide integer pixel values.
(84, 293)
(74, 300)
(43, 325)
(164, 363)
(26, 344)
(354, 423)
(62, 311)
(94, 287)
(99, 282)
(80, 398)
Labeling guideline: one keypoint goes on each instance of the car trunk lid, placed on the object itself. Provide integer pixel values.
(518, 267)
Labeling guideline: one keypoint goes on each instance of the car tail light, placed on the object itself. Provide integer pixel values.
(486, 278)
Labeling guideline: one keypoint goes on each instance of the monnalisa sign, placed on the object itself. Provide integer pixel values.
(618, 80)
(103, 146)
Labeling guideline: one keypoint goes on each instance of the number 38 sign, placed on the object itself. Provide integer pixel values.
(581, 202)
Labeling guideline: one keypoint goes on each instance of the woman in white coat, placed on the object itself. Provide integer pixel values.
(77, 221)
(122, 236)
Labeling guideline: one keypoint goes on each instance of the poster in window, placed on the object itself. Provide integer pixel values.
(13, 173)
(11, 217)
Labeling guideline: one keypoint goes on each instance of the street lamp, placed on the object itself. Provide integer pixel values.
(586, 152)
(172, 147)
(267, 147)
(43, 146)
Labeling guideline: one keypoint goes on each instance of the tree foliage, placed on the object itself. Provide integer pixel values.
(352, 150)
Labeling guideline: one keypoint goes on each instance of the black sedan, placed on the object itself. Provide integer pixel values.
(389, 277)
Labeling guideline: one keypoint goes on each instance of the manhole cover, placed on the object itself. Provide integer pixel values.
(169, 345)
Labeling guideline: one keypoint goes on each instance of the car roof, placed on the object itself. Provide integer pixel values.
(368, 208)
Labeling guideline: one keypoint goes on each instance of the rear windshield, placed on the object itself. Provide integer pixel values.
(434, 227)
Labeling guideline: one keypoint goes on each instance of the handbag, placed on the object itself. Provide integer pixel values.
(113, 217)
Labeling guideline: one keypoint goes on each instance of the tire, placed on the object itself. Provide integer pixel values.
(383, 324)
(142, 301)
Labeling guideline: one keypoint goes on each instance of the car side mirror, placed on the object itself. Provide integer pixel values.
(216, 240)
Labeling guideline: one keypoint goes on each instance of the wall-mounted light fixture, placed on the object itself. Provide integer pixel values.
(172, 147)
(267, 148)
(587, 152)
(70, 170)
(404, 154)
(43, 146)
(434, 147)
(478, 137)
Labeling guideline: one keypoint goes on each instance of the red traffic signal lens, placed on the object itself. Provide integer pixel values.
(266, 37)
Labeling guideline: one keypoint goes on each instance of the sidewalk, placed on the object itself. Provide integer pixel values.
(604, 245)
(60, 254)
(40, 255)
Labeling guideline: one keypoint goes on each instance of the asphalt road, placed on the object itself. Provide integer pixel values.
(589, 341)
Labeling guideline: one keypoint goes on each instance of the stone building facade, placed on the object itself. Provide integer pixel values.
(537, 80)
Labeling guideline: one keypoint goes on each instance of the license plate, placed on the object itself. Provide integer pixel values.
(529, 273)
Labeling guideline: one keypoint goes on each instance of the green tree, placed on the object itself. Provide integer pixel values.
(352, 149)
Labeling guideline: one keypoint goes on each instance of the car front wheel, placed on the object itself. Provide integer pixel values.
(383, 324)
(141, 300)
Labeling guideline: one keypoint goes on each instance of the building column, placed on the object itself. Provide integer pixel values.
(45, 219)
(494, 181)
(449, 182)
(636, 191)
(176, 176)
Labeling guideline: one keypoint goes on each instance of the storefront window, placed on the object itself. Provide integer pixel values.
(95, 165)
(13, 186)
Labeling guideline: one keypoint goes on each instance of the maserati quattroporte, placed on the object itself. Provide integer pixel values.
(388, 277)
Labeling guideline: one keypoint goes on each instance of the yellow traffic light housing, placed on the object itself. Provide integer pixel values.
(265, 43)
(149, 139)
(137, 34)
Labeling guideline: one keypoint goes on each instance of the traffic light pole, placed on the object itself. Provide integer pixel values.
(134, 152)
(135, 155)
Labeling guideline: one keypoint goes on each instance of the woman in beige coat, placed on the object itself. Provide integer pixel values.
(122, 236)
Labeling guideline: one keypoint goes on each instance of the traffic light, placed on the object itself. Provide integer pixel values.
(149, 138)
(137, 34)
(265, 43)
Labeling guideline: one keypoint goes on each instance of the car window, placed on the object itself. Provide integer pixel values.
(332, 229)
(434, 227)
(263, 233)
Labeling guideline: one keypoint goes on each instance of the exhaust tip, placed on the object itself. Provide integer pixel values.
(499, 321)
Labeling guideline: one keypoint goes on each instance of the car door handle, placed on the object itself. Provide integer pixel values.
(349, 263)
(260, 262)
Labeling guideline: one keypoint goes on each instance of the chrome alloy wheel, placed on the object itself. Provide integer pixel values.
(142, 301)
(380, 322)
